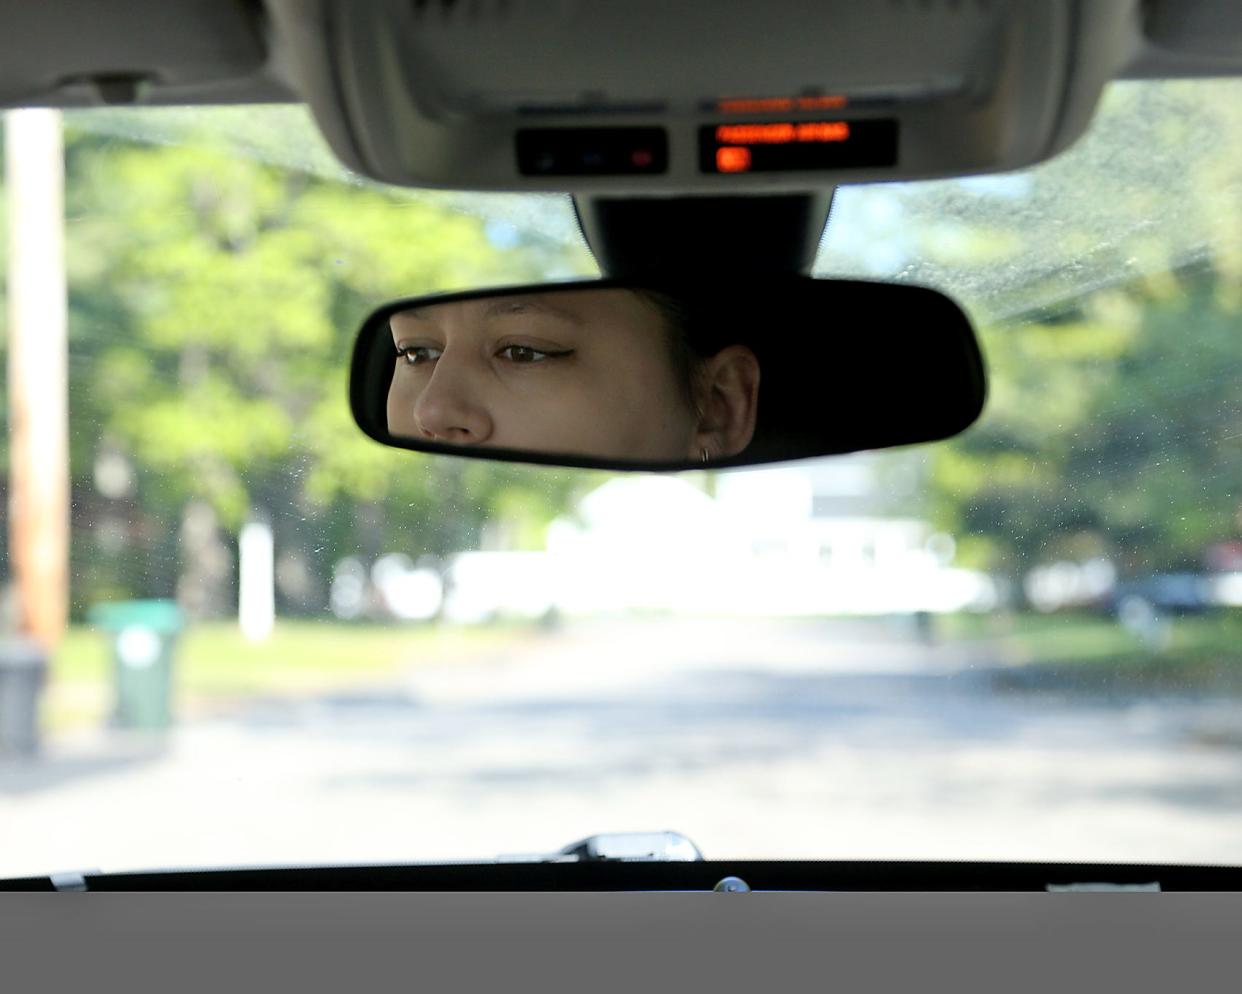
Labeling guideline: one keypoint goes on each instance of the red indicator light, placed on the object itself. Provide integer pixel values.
(732, 159)
(641, 158)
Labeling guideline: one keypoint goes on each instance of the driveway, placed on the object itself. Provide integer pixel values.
(758, 739)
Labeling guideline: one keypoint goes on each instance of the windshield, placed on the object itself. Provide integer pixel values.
(287, 644)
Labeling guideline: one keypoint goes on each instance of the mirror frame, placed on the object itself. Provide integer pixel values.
(373, 419)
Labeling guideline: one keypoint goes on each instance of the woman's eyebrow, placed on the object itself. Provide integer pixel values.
(492, 308)
(397, 327)
(505, 305)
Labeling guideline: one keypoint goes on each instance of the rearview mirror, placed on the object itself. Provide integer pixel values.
(664, 377)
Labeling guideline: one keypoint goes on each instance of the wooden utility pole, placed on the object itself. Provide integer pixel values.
(37, 373)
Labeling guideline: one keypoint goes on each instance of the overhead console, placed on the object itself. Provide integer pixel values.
(715, 97)
(598, 96)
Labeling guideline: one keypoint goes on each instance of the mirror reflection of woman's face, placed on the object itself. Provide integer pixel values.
(587, 372)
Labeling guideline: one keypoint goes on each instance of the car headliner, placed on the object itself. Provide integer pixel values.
(213, 52)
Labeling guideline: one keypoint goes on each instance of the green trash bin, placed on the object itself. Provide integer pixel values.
(143, 636)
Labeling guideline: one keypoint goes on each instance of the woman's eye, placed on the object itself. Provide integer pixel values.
(416, 355)
(526, 353)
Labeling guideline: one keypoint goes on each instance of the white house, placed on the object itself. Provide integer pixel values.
(808, 539)
(825, 539)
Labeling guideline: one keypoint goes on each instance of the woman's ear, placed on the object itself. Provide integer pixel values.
(727, 400)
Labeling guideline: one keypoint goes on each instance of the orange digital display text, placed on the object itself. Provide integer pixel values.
(783, 134)
(780, 105)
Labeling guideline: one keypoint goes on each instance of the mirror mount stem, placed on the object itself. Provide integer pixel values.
(697, 237)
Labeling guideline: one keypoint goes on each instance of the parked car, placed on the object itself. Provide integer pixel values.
(1174, 593)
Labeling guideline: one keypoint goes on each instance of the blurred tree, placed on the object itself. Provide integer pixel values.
(214, 300)
(1107, 283)
(1113, 429)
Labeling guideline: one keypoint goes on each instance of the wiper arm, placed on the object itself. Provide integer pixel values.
(629, 847)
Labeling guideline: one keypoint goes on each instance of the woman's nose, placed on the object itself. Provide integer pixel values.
(452, 406)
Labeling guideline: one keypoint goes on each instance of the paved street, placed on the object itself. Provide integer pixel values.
(755, 739)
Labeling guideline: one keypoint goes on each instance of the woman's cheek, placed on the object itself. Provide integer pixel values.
(571, 415)
(402, 396)
(393, 404)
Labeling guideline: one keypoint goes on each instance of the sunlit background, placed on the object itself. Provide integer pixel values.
(288, 644)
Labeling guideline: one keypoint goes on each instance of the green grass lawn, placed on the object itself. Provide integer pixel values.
(216, 668)
(215, 665)
(1201, 651)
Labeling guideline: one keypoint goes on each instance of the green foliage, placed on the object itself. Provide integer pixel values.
(213, 304)
(1115, 429)
(1108, 284)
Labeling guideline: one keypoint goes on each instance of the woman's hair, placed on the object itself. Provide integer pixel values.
(687, 352)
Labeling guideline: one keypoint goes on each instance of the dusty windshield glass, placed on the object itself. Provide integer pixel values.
(287, 644)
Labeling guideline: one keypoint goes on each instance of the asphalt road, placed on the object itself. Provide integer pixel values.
(755, 739)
